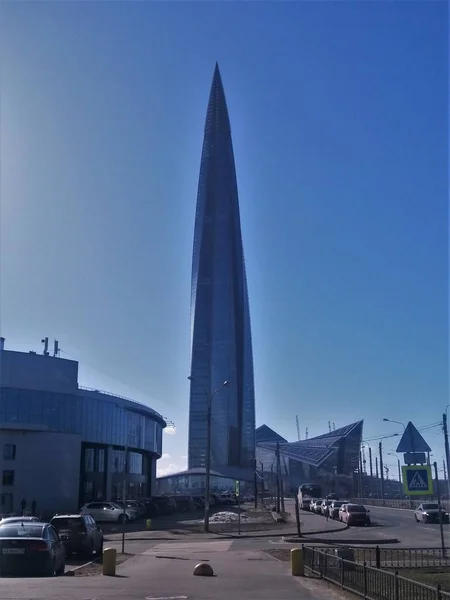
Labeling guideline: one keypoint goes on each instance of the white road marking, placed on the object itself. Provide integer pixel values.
(167, 598)
(172, 548)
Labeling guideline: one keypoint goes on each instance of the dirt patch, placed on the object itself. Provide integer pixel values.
(432, 577)
(96, 567)
(282, 554)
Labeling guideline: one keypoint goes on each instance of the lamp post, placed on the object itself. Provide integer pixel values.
(380, 448)
(209, 397)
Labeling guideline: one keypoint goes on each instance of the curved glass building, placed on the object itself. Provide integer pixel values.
(63, 445)
(221, 344)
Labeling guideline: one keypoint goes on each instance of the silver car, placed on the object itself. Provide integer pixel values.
(9, 520)
(108, 511)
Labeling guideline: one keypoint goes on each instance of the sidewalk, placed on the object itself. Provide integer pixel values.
(245, 575)
(311, 524)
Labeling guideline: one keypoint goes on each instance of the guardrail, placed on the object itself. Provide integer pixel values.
(406, 504)
(368, 582)
(380, 557)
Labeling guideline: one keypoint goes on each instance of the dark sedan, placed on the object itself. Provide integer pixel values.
(29, 548)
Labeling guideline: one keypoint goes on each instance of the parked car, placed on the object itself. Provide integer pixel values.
(429, 513)
(107, 511)
(315, 505)
(325, 506)
(132, 512)
(9, 520)
(31, 548)
(334, 509)
(354, 514)
(137, 506)
(80, 534)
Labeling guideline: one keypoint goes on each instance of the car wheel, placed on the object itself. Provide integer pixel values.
(100, 549)
(61, 569)
(417, 520)
(123, 519)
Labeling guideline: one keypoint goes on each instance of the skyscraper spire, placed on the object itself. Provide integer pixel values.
(221, 346)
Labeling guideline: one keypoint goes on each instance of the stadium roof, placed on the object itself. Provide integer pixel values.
(314, 451)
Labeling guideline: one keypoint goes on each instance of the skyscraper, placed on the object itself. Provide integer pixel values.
(221, 344)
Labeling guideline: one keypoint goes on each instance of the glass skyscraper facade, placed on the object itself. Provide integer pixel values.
(221, 345)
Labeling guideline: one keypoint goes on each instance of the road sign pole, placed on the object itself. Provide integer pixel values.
(441, 527)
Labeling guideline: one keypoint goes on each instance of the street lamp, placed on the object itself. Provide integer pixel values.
(380, 448)
(398, 423)
(209, 397)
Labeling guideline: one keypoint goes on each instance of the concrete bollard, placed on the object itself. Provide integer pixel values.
(109, 561)
(203, 570)
(297, 562)
(149, 523)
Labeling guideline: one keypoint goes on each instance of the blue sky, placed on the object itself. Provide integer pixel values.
(339, 119)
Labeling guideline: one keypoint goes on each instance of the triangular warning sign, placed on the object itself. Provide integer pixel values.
(417, 482)
(412, 441)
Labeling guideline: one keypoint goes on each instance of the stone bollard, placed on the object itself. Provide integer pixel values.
(297, 562)
(204, 570)
(109, 561)
(149, 523)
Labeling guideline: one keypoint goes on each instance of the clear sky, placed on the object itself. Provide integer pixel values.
(339, 120)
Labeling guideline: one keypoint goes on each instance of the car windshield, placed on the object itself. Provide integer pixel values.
(67, 523)
(337, 504)
(19, 530)
(116, 505)
(430, 506)
(355, 508)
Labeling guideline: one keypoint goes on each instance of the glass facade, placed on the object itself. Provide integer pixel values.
(329, 459)
(99, 419)
(221, 345)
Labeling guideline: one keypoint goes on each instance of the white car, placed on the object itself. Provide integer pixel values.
(108, 511)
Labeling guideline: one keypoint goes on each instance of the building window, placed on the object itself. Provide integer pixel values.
(6, 503)
(8, 478)
(9, 452)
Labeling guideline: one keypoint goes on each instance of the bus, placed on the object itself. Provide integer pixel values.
(308, 492)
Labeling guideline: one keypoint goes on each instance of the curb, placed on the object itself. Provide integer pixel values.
(75, 569)
(346, 542)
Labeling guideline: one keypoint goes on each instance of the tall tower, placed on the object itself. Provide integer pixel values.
(221, 344)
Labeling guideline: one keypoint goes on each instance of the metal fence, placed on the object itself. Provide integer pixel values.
(406, 504)
(380, 557)
(368, 582)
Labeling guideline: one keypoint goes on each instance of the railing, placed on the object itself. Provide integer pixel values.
(368, 582)
(379, 557)
(406, 504)
(141, 404)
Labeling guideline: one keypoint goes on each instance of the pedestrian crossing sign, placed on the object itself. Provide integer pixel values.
(417, 480)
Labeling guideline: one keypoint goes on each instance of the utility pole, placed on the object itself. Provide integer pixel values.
(361, 491)
(380, 446)
(377, 477)
(399, 474)
(445, 471)
(277, 505)
(371, 470)
(447, 451)
(255, 486)
(298, 428)
(439, 508)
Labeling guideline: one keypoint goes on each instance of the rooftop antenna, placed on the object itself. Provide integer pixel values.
(56, 348)
(298, 428)
(306, 437)
(45, 342)
(334, 427)
(329, 426)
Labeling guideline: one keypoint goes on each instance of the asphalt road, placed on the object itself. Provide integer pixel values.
(400, 523)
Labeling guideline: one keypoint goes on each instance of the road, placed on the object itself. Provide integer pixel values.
(400, 523)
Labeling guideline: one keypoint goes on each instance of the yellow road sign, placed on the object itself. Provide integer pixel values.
(417, 480)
